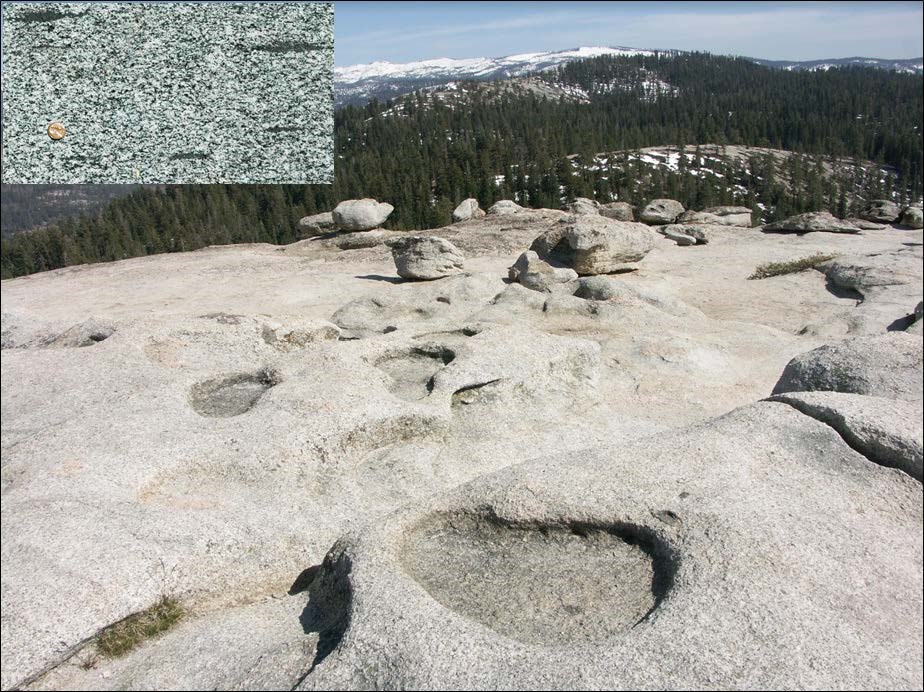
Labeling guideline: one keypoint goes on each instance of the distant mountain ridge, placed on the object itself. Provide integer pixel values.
(907, 65)
(358, 84)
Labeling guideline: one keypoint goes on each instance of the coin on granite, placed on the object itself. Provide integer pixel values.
(56, 130)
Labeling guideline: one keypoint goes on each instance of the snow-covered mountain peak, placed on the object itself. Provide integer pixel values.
(508, 66)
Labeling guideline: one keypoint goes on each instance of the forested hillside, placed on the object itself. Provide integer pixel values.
(426, 152)
(28, 206)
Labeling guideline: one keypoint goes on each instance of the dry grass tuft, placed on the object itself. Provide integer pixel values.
(765, 271)
(122, 637)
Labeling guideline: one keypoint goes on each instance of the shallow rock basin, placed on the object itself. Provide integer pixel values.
(224, 397)
(541, 584)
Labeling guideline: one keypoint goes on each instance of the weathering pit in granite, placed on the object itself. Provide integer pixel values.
(168, 92)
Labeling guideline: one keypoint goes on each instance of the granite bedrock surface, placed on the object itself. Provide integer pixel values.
(168, 92)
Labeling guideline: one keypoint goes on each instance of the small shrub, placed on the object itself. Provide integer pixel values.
(122, 637)
(791, 267)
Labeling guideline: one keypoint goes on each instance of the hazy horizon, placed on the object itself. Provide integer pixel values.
(409, 32)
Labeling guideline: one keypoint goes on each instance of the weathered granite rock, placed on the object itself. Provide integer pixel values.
(20, 332)
(887, 284)
(363, 239)
(886, 431)
(425, 257)
(538, 275)
(467, 209)
(316, 224)
(720, 216)
(731, 216)
(620, 211)
(504, 207)
(117, 488)
(583, 205)
(430, 305)
(863, 224)
(361, 214)
(881, 211)
(810, 222)
(913, 217)
(291, 335)
(889, 365)
(916, 326)
(517, 570)
(685, 233)
(594, 244)
(677, 235)
(661, 211)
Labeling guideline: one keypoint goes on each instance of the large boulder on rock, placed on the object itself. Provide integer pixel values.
(620, 211)
(913, 217)
(886, 365)
(583, 205)
(467, 209)
(881, 211)
(685, 233)
(731, 216)
(316, 224)
(425, 257)
(661, 211)
(538, 275)
(361, 214)
(594, 244)
(720, 216)
(504, 207)
(811, 222)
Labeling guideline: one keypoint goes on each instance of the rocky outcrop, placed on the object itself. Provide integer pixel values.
(811, 222)
(889, 365)
(594, 244)
(677, 235)
(425, 257)
(483, 458)
(619, 211)
(467, 209)
(685, 233)
(504, 207)
(292, 335)
(538, 275)
(913, 217)
(916, 320)
(546, 537)
(881, 211)
(863, 224)
(583, 205)
(720, 216)
(661, 211)
(886, 431)
(361, 214)
(316, 224)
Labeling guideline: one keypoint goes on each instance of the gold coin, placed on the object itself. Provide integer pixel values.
(56, 131)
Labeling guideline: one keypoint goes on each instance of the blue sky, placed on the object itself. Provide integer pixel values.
(408, 31)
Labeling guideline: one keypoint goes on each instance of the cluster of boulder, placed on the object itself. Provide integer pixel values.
(885, 211)
(876, 215)
(577, 247)
(593, 239)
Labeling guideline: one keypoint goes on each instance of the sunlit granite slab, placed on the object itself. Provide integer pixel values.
(168, 92)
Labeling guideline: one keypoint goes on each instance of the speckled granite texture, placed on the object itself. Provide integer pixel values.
(168, 92)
